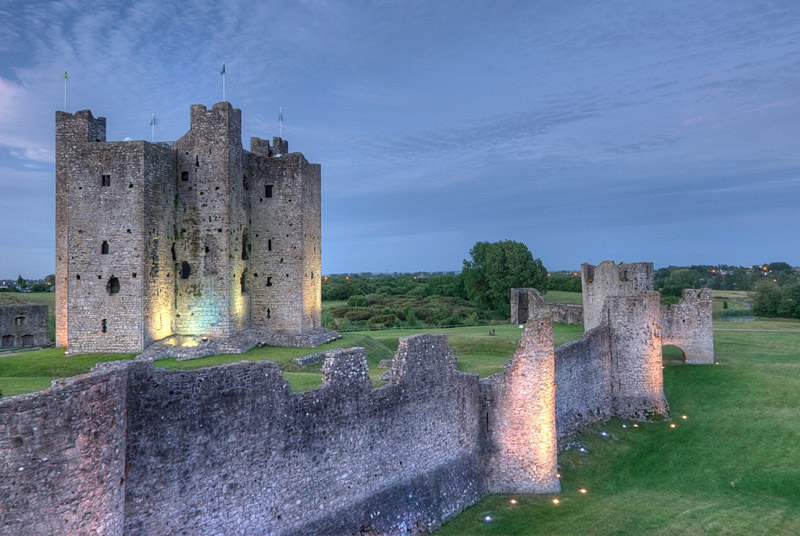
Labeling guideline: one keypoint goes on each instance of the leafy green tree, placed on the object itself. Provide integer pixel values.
(496, 268)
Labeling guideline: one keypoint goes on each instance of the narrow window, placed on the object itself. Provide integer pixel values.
(269, 245)
(19, 321)
(104, 325)
(245, 246)
(269, 281)
(245, 184)
(268, 193)
(186, 270)
(113, 286)
(244, 282)
(184, 176)
(196, 161)
(104, 248)
(105, 180)
(269, 313)
(77, 277)
(174, 257)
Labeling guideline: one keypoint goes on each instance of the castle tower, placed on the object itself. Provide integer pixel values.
(611, 279)
(637, 380)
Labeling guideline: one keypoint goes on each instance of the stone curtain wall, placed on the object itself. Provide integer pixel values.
(583, 382)
(521, 417)
(32, 330)
(529, 303)
(343, 458)
(62, 458)
(689, 325)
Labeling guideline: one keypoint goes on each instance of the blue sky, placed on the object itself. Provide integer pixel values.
(661, 131)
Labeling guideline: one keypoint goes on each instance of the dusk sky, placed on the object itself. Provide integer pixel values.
(631, 131)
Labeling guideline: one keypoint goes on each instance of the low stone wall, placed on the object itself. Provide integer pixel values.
(583, 382)
(62, 458)
(22, 325)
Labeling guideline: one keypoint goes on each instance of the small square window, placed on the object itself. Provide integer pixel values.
(184, 176)
(19, 321)
(106, 180)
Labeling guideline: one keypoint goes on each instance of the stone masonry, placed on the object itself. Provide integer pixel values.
(23, 325)
(529, 303)
(197, 238)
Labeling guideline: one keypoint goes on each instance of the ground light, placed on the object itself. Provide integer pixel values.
(583, 490)
(513, 501)
(672, 425)
(556, 501)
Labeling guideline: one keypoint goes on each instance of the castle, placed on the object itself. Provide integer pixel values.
(157, 242)
(134, 449)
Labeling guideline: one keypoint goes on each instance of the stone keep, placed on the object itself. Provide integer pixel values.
(201, 237)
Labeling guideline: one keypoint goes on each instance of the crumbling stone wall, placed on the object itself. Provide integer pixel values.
(521, 417)
(200, 238)
(583, 382)
(62, 458)
(529, 303)
(23, 325)
(689, 325)
(343, 458)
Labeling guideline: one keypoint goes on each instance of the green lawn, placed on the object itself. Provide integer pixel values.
(561, 296)
(731, 467)
(41, 298)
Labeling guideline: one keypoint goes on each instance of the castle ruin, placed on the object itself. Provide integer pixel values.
(197, 238)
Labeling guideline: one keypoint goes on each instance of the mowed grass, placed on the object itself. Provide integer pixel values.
(477, 351)
(561, 296)
(41, 298)
(731, 467)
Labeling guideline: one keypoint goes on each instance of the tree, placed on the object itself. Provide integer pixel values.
(496, 268)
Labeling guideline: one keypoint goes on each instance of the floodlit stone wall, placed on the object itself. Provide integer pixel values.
(23, 325)
(521, 417)
(689, 325)
(197, 238)
(529, 303)
(62, 458)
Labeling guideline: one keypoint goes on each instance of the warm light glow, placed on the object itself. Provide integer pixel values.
(558, 475)
(636, 426)
(347, 277)
(684, 417)
(556, 501)
(713, 271)
(672, 425)
(582, 490)
(513, 501)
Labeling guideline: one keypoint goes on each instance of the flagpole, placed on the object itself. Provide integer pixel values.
(65, 89)
(280, 121)
(223, 82)
(153, 129)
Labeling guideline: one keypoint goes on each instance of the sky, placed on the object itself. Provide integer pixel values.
(629, 131)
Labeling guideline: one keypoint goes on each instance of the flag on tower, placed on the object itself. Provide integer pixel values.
(153, 121)
(65, 75)
(223, 69)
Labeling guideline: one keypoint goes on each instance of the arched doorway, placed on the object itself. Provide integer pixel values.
(672, 354)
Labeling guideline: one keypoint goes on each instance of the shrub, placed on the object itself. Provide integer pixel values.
(357, 300)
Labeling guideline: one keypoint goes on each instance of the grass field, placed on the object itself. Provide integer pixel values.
(560, 296)
(731, 467)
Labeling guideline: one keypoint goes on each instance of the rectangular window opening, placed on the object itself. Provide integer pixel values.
(268, 192)
(106, 180)
(184, 176)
